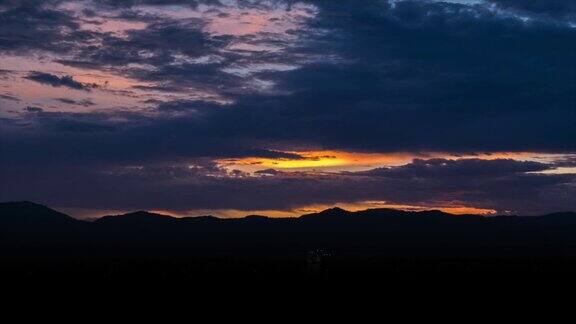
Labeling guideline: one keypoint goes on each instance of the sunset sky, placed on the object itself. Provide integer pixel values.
(285, 107)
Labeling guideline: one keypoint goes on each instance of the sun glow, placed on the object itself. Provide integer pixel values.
(337, 161)
(326, 160)
(456, 209)
(452, 208)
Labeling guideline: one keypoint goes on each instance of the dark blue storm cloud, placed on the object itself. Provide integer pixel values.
(362, 76)
(56, 81)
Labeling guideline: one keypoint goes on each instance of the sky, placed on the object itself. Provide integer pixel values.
(286, 107)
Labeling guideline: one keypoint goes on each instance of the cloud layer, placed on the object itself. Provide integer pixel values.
(118, 94)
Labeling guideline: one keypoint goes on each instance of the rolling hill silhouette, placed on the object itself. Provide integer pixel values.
(32, 215)
(28, 229)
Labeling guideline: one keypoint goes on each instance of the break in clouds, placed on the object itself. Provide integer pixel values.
(142, 104)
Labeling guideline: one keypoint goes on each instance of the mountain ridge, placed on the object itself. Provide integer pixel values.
(28, 208)
(373, 232)
(31, 212)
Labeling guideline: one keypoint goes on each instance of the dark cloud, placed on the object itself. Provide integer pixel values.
(56, 81)
(5, 74)
(131, 3)
(499, 185)
(415, 77)
(430, 76)
(128, 138)
(442, 168)
(567, 162)
(368, 76)
(172, 47)
(36, 25)
(270, 172)
(34, 109)
(551, 9)
(9, 97)
(83, 102)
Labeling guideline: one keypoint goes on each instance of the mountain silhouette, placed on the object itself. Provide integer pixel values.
(335, 228)
(30, 214)
(136, 218)
(376, 235)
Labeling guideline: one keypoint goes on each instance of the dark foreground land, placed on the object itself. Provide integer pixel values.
(38, 243)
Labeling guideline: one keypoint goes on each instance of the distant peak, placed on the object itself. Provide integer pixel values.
(255, 217)
(561, 214)
(24, 203)
(143, 213)
(434, 212)
(24, 211)
(137, 216)
(26, 206)
(334, 210)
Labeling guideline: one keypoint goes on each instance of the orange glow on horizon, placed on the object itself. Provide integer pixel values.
(455, 209)
(354, 161)
(353, 207)
(334, 160)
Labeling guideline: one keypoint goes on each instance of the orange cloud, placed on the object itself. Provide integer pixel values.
(353, 161)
